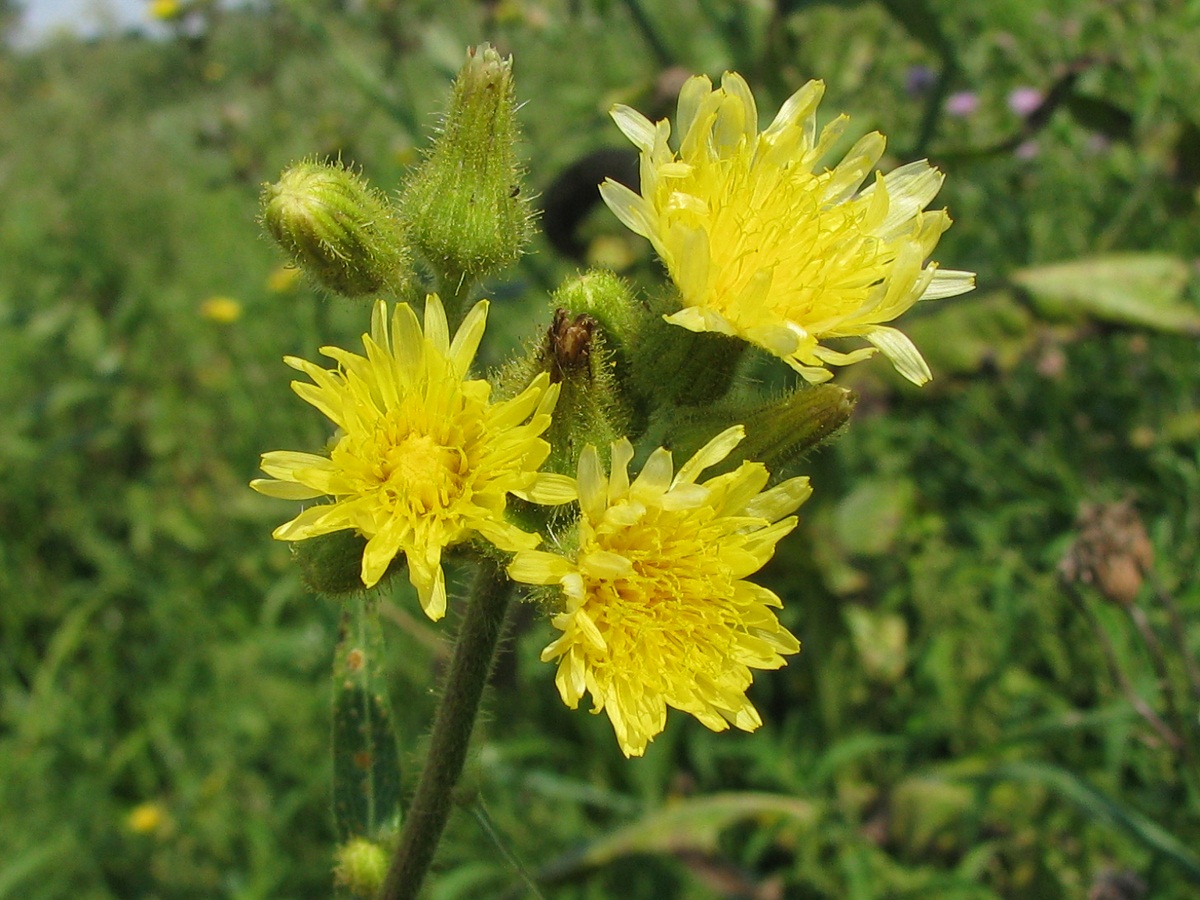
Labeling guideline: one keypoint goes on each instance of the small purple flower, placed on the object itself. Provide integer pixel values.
(1024, 100)
(962, 104)
(1026, 150)
(918, 80)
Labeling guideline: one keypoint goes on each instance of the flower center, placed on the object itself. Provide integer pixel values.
(675, 566)
(421, 473)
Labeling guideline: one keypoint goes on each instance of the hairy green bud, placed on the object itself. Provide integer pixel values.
(361, 867)
(463, 204)
(591, 403)
(331, 564)
(608, 299)
(780, 431)
(342, 232)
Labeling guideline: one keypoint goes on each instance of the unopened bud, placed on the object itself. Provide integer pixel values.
(337, 228)
(783, 431)
(331, 564)
(609, 300)
(361, 867)
(463, 205)
(779, 432)
(592, 407)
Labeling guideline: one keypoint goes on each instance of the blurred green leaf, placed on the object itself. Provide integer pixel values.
(881, 640)
(695, 825)
(868, 522)
(25, 866)
(1142, 289)
(925, 810)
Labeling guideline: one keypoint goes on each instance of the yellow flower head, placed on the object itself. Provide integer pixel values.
(423, 459)
(283, 279)
(224, 310)
(763, 246)
(165, 10)
(657, 612)
(147, 818)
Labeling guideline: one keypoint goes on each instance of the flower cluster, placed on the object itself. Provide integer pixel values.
(646, 575)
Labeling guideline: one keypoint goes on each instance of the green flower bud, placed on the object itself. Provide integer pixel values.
(607, 299)
(591, 403)
(463, 205)
(784, 430)
(779, 432)
(331, 564)
(361, 867)
(342, 232)
(592, 407)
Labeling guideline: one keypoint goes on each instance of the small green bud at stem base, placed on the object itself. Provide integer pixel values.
(361, 867)
(779, 432)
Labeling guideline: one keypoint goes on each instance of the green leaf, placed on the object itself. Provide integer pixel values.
(1142, 289)
(366, 758)
(694, 825)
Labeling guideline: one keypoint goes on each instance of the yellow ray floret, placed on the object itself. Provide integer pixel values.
(423, 460)
(764, 247)
(657, 611)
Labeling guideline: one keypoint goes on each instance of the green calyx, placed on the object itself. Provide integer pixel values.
(592, 408)
(342, 232)
(463, 205)
(585, 351)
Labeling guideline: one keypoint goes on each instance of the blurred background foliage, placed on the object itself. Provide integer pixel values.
(994, 582)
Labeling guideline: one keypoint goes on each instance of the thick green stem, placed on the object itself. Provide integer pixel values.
(474, 650)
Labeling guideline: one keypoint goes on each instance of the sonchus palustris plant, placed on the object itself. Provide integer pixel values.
(645, 571)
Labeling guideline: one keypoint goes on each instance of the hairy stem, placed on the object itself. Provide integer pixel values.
(474, 650)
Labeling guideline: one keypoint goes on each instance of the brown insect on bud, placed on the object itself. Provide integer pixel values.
(570, 343)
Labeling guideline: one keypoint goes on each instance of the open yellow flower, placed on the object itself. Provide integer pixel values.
(764, 247)
(657, 609)
(423, 459)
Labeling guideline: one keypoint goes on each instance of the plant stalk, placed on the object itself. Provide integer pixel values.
(474, 650)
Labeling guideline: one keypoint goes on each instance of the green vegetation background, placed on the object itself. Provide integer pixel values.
(957, 725)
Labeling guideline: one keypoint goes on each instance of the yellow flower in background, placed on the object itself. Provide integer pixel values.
(224, 310)
(146, 818)
(165, 10)
(283, 279)
(423, 460)
(657, 609)
(763, 246)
